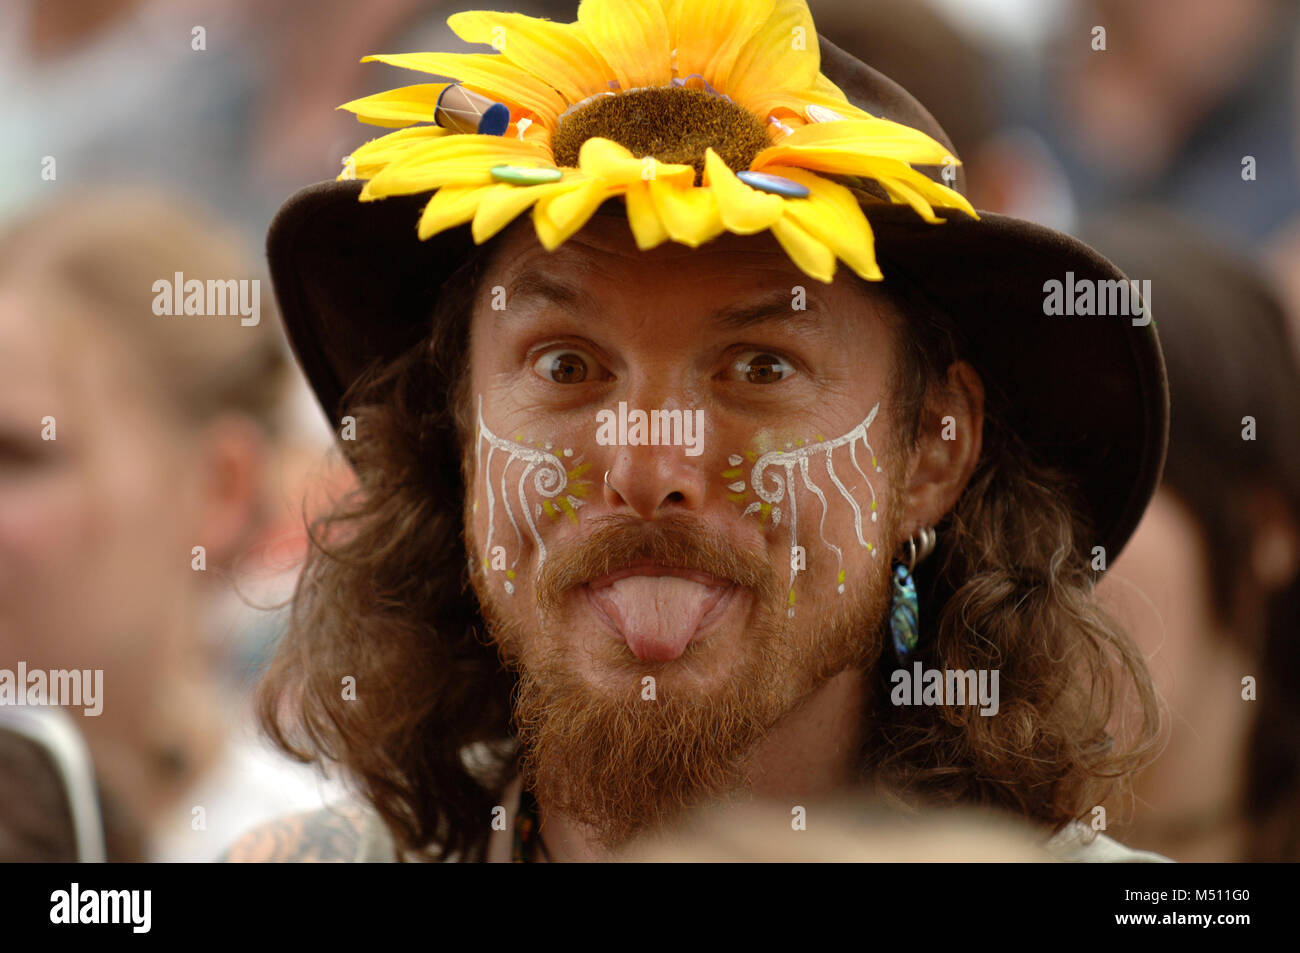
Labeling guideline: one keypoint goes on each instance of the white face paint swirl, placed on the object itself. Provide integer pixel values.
(550, 478)
(773, 496)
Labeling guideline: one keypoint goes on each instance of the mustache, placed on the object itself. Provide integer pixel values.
(677, 541)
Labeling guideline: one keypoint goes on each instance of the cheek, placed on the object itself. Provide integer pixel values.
(84, 555)
(1159, 588)
(44, 523)
(819, 497)
(526, 488)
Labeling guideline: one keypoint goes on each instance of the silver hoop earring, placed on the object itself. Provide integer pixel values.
(919, 550)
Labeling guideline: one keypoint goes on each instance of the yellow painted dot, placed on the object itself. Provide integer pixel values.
(510, 574)
(792, 596)
(569, 511)
(841, 576)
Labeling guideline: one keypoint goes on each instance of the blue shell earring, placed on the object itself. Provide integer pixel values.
(904, 612)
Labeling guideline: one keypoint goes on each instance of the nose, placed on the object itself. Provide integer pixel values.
(652, 481)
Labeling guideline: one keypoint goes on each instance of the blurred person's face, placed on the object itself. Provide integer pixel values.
(96, 525)
(655, 622)
(1165, 66)
(1160, 588)
(1162, 581)
(1175, 35)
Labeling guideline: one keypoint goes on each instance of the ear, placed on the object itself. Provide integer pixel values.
(948, 447)
(233, 450)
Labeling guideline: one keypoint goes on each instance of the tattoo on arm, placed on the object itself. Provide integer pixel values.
(323, 836)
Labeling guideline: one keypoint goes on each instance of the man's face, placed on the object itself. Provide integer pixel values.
(739, 555)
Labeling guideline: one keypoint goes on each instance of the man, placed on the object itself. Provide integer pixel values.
(646, 517)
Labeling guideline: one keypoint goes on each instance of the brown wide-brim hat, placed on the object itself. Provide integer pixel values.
(1088, 394)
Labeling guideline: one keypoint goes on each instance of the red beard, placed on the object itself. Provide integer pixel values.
(622, 764)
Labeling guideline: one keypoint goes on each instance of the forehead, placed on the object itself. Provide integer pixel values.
(601, 264)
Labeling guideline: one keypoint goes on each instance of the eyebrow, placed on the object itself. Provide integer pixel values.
(777, 306)
(534, 284)
(773, 307)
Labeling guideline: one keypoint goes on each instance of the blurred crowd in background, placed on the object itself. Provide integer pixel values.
(136, 147)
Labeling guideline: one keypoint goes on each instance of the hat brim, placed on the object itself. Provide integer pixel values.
(1088, 394)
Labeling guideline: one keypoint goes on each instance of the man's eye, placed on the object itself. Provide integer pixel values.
(563, 366)
(761, 367)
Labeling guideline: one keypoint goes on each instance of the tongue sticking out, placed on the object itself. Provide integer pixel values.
(657, 615)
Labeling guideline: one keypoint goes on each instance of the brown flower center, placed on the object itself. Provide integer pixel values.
(672, 123)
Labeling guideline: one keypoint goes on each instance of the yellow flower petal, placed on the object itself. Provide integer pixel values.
(454, 160)
(710, 34)
(844, 155)
(612, 162)
(450, 206)
(832, 216)
(795, 102)
(398, 107)
(556, 53)
(371, 158)
(558, 216)
(811, 255)
(901, 192)
(899, 174)
(690, 214)
(488, 74)
(826, 91)
(835, 146)
(783, 53)
(744, 209)
(632, 36)
(647, 228)
(501, 204)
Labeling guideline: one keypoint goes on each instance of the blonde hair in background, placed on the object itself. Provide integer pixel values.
(105, 249)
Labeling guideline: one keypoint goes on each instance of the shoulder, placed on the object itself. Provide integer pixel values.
(1079, 843)
(342, 833)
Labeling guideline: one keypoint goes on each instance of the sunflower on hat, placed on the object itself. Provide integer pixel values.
(704, 115)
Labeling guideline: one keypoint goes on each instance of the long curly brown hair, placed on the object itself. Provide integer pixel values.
(384, 597)
(1009, 589)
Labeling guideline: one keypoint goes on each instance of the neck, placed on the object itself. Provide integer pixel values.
(812, 752)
